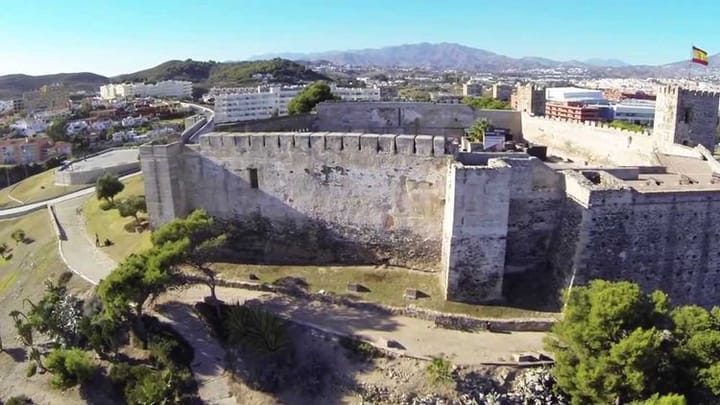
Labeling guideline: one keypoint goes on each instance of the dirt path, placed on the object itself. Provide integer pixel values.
(415, 337)
(209, 356)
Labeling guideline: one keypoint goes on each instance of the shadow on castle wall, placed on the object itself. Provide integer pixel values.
(266, 230)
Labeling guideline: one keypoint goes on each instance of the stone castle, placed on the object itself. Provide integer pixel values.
(640, 207)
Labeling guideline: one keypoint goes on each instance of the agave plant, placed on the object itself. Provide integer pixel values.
(255, 327)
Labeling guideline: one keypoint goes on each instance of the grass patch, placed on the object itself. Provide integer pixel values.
(35, 188)
(439, 371)
(24, 276)
(110, 225)
(7, 280)
(385, 285)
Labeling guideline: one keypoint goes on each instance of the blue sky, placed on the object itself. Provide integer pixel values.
(112, 37)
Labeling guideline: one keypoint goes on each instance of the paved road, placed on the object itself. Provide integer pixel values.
(27, 208)
(78, 250)
(209, 125)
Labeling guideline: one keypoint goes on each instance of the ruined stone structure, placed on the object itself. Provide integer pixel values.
(477, 219)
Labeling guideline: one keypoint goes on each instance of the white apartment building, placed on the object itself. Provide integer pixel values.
(357, 93)
(167, 88)
(255, 103)
(246, 104)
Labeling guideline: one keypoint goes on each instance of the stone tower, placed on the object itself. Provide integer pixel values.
(686, 117)
(529, 98)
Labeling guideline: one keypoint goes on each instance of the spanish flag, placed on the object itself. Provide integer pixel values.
(699, 56)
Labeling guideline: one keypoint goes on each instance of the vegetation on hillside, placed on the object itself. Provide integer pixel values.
(616, 344)
(486, 103)
(16, 84)
(282, 71)
(309, 97)
(224, 74)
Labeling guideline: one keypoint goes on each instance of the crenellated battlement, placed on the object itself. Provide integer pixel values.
(675, 90)
(420, 145)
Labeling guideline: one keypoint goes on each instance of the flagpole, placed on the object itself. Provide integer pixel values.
(690, 63)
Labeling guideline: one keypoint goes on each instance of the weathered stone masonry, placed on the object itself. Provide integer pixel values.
(365, 198)
(319, 197)
(474, 218)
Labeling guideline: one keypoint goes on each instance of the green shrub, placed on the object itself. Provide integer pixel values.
(359, 350)
(255, 327)
(167, 347)
(19, 400)
(102, 334)
(106, 205)
(159, 387)
(31, 370)
(439, 370)
(69, 367)
(124, 375)
(209, 315)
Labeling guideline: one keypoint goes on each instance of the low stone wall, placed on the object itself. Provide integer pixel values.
(300, 122)
(65, 177)
(442, 320)
(190, 131)
(59, 232)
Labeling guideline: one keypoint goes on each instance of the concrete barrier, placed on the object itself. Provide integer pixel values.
(59, 231)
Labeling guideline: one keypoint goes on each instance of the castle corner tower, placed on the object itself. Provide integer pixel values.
(686, 117)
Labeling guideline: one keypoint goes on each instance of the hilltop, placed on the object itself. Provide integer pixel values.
(16, 84)
(203, 74)
(226, 73)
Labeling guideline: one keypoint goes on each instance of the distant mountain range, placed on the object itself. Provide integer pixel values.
(291, 68)
(455, 56)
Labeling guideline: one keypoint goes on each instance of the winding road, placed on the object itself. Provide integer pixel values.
(30, 207)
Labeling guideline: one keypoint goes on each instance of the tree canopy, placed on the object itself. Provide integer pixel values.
(130, 207)
(616, 344)
(108, 186)
(56, 130)
(486, 103)
(309, 97)
(206, 239)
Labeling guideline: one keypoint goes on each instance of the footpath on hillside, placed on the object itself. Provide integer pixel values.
(78, 250)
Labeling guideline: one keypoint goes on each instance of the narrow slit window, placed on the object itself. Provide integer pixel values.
(253, 178)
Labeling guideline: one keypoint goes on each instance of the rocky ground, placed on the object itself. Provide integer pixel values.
(325, 369)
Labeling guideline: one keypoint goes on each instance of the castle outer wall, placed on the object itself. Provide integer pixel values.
(660, 240)
(410, 118)
(311, 198)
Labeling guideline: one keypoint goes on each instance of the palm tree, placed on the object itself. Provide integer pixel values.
(476, 133)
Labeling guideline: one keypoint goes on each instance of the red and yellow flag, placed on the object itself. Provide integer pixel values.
(699, 56)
